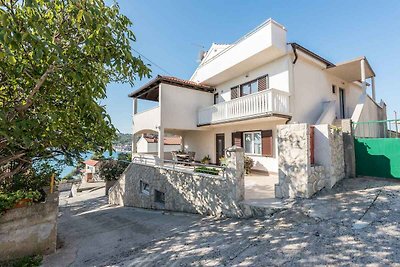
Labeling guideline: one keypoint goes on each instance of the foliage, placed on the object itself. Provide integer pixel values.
(206, 159)
(56, 59)
(207, 170)
(8, 200)
(97, 156)
(30, 261)
(125, 156)
(111, 169)
(123, 139)
(248, 164)
(223, 161)
(38, 176)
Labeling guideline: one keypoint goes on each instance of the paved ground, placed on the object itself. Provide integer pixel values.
(356, 223)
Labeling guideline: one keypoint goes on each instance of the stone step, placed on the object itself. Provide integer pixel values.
(261, 208)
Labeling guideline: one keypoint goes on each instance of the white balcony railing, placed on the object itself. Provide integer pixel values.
(263, 102)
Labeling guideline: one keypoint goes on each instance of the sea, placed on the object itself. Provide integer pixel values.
(85, 156)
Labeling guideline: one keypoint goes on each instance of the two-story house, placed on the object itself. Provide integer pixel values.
(240, 92)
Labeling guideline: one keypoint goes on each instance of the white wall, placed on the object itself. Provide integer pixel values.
(277, 71)
(146, 120)
(263, 44)
(312, 86)
(180, 105)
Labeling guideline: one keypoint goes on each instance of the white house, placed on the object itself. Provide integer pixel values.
(240, 92)
(91, 171)
(148, 144)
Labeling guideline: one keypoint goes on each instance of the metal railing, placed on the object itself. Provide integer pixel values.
(191, 167)
(376, 129)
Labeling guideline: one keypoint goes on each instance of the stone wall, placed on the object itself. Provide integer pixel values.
(29, 230)
(297, 177)
(329, 152)
(183, 191)
(348, 149)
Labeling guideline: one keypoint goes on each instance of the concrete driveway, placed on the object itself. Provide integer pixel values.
(356, 223)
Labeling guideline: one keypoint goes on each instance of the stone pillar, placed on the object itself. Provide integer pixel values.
(235, 170)
(348, 149)
(134, 139)
(161, 144)
(293, 160)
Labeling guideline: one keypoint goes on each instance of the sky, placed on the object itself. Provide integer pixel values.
(171, 33)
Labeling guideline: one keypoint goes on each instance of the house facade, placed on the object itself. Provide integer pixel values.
(242, 91)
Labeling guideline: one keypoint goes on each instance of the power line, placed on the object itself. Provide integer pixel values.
(152, 62)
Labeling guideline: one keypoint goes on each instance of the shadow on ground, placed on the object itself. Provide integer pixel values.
(354, 223)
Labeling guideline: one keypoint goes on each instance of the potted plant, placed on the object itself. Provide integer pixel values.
(248, 164)
(223, 161)
(206, 159)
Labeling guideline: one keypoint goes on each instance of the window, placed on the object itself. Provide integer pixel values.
(216, 98)
(252, 143)
(159, 197)
(249, 88)
(144, 188)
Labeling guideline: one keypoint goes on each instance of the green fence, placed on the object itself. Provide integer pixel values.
(377, 148)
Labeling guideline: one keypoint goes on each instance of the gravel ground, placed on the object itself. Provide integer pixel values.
(355, 223)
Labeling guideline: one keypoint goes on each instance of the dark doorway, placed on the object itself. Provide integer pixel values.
(220, 146)
(341, 103)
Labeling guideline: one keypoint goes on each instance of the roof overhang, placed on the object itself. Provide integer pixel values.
(149, 91)
(350, 71)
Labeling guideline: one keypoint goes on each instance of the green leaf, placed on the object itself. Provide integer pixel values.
(80, 15)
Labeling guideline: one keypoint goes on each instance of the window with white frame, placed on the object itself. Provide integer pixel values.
(252, 143)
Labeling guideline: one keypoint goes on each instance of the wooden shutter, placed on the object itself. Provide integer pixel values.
(234, 92)
(237, 139)
(266, 143)
(263, 83)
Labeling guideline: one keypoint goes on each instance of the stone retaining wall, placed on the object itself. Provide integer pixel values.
(29, 230)
(297, 177)
(141, 185)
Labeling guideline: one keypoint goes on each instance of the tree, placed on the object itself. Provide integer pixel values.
(56, 59)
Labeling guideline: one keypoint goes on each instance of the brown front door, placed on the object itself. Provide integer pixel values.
(220, 146)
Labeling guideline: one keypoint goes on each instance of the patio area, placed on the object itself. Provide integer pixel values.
(260, 190)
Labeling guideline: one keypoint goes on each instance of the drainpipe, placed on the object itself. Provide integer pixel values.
(295, 53)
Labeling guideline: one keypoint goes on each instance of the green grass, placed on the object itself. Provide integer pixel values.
(30, 261)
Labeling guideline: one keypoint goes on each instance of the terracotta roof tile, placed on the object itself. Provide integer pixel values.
(91, 162)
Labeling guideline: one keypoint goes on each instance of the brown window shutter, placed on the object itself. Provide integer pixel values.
(237, 139)
(234, 92)
(263, 83)
(267, 144)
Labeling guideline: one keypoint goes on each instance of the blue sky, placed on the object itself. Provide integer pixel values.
(169, 33)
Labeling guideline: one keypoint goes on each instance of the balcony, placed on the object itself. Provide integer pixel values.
(264, 103)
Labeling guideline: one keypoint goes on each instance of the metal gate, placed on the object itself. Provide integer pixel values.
(377, 148)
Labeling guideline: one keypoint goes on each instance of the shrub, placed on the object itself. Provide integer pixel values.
(9, 199)
(125, 156)
(248, 164)
(206, 159)
(112, 169)
(207, 170)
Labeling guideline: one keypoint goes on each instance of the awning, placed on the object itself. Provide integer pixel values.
(350, 71)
